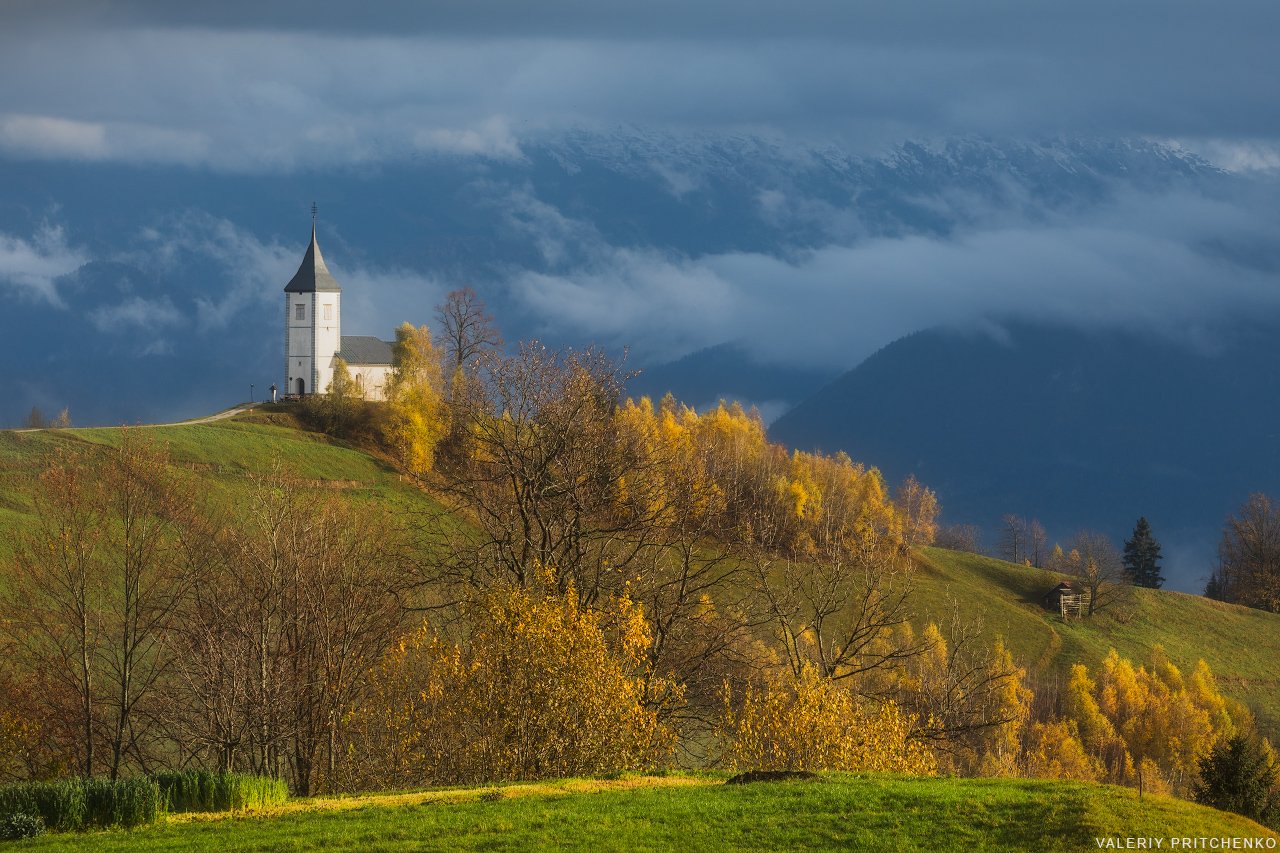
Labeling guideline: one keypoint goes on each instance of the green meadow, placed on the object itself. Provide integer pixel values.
(694, 813)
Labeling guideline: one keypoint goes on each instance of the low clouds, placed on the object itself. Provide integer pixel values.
(136, 314)
(31, 267)
(1144, 261)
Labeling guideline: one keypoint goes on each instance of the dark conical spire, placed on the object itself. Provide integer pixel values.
(313, 275)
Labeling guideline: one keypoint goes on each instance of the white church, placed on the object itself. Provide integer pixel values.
(313, 339)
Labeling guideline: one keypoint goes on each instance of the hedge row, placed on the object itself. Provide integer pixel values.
(77, 804)
(98, 803)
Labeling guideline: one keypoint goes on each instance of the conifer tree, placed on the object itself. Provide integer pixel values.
(1142, 556)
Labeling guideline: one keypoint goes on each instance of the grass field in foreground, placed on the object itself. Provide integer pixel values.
(841, 812)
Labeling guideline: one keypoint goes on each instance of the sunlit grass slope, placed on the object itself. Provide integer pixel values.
(840, 812)
(1240, 644)
(219, 456)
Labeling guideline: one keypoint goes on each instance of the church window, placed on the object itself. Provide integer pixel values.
(328, 312)
(300, 312)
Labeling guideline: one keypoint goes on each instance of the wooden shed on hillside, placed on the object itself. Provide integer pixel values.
(1070, 598)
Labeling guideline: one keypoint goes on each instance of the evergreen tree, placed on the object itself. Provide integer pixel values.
(1142, 556)
(1240, 776)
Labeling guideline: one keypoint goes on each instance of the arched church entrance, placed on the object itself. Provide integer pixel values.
(302, 388)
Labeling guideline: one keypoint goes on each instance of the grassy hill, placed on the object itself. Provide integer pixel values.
(1240, 644)
(696, 812)
(869, 812)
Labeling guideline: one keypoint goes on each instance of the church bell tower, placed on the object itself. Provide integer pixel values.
(312, 323)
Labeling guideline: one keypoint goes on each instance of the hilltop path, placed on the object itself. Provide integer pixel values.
(229, 413)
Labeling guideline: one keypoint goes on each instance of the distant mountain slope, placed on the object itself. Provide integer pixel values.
(728, 372)
(1073, 428)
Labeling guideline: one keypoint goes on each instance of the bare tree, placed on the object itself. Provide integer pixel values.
(960, 688)
(1248, 569)
(57, 594)
(1037, 544)
(274, 648)
(1100, 567)
(466, 330)
(548, 477)
(1013, 538)
(98, 584)
(840, 610)
(961, 537)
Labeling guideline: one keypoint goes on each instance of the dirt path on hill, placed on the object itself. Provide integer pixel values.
(229, 413)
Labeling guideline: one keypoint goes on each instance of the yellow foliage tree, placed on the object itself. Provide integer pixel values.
(1054, 751)
(1148, 726)
(808, 722)
(540, 688)
(417, 418)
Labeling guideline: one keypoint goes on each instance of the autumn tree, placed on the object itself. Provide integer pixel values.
(1148, 725)
(1142, 556)
(534, 687)
(1248, 568)
(919, 508)
(802, 721)
(417, 418)
(338, 409)
(831, 574)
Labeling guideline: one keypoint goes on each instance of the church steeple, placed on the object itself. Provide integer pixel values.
(313, 276)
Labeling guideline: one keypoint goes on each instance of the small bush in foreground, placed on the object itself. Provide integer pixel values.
(15, 826)
(208, 791)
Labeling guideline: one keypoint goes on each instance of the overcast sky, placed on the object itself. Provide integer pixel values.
(275, 85)
(234, 88)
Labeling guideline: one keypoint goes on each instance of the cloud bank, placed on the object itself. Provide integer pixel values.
(285, 86)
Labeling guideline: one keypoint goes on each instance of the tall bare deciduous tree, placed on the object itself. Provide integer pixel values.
(547, 475)
(1014, 533)
(273, 648)
(98, 584)
(57, 593)
(466, 329)
(1248, 569)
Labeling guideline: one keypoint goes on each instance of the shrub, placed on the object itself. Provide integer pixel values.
(811, 723)
(208, 791)
(77, 804)
(540, 689)
(1240, 776)
(20, 825)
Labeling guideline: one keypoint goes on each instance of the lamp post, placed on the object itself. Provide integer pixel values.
(251, 393)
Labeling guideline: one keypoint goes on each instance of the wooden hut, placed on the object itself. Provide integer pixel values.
(1070, 598)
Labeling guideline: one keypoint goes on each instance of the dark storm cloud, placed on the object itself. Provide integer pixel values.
(278, 85)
